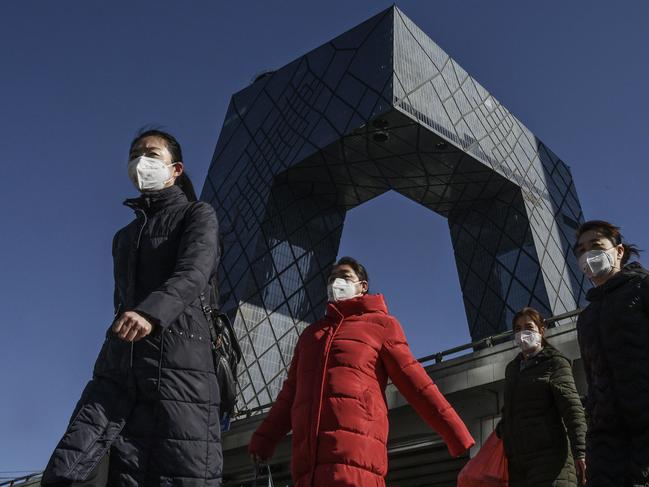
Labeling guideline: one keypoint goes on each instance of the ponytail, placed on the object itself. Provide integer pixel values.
(184, 183)
(629, 250)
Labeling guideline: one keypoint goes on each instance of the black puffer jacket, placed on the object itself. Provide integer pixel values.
(543, 425)
(154, 404)
(614, 341)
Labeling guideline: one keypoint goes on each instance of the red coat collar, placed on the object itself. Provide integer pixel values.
(367, 303)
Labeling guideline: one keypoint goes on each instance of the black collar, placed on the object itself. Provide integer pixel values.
(627, 273)
(152, 201)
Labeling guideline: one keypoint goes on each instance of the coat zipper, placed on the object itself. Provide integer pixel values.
(330, 341)
(137, 248)
(139, 237)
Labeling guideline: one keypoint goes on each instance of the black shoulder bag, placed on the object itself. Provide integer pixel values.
(226, 352)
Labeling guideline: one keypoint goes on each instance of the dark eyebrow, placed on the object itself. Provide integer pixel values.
(340, 274)
(592, 240)
(144, 150)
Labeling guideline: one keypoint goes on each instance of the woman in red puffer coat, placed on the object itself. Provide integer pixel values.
(334, 396)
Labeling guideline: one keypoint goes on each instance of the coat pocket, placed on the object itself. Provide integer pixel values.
(368, 404)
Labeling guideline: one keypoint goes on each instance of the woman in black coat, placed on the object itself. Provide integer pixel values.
(543, 426)
(613, 335)
(150, 414)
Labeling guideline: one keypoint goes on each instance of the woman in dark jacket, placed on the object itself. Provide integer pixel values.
(614, 340)
(150, 414)
(543, 426)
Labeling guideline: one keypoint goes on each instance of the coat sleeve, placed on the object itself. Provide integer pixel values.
(569, 405)
(419, 390)
(644, 295)
(116, 299)
(501, 427)
(198, 255)
(278, 422)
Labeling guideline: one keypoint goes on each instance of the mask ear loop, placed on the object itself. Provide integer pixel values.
(171, 173)
(617, 261)
(368, 286)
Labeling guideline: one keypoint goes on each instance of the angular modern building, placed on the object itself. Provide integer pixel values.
(380, 108)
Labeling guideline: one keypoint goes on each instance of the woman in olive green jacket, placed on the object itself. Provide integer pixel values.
(543, 426)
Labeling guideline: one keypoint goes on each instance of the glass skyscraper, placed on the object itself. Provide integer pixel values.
(380, 108)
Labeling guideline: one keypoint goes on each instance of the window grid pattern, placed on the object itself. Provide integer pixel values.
(380, 108)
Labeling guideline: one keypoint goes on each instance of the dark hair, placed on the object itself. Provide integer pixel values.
(183, 181)
(359, 269)
(533, 315)
(612, 233)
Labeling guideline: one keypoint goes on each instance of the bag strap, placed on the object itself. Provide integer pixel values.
(255, 482)
(217, 322)
(207, 311)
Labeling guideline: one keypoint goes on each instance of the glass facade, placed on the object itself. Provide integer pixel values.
(380, 108)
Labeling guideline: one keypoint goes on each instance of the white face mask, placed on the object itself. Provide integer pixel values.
(598, 263)
(342, 290)
(528, 340)
(149, 174)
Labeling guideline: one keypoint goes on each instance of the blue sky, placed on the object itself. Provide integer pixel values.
(79, 78)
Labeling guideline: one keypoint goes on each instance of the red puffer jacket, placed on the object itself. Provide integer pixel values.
(334, 398)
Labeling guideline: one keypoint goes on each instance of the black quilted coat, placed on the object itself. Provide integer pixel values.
(154, 404)
(614, 341)
(543, 426)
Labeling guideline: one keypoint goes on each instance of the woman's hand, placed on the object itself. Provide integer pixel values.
(131, 326)
(580, 464)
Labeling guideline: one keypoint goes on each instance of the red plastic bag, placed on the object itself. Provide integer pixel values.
(488, 468)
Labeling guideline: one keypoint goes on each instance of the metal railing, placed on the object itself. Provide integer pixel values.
(22, 480)
(438, 357)
(492, 340)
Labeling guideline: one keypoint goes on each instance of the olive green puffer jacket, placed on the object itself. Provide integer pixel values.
(542, 410)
